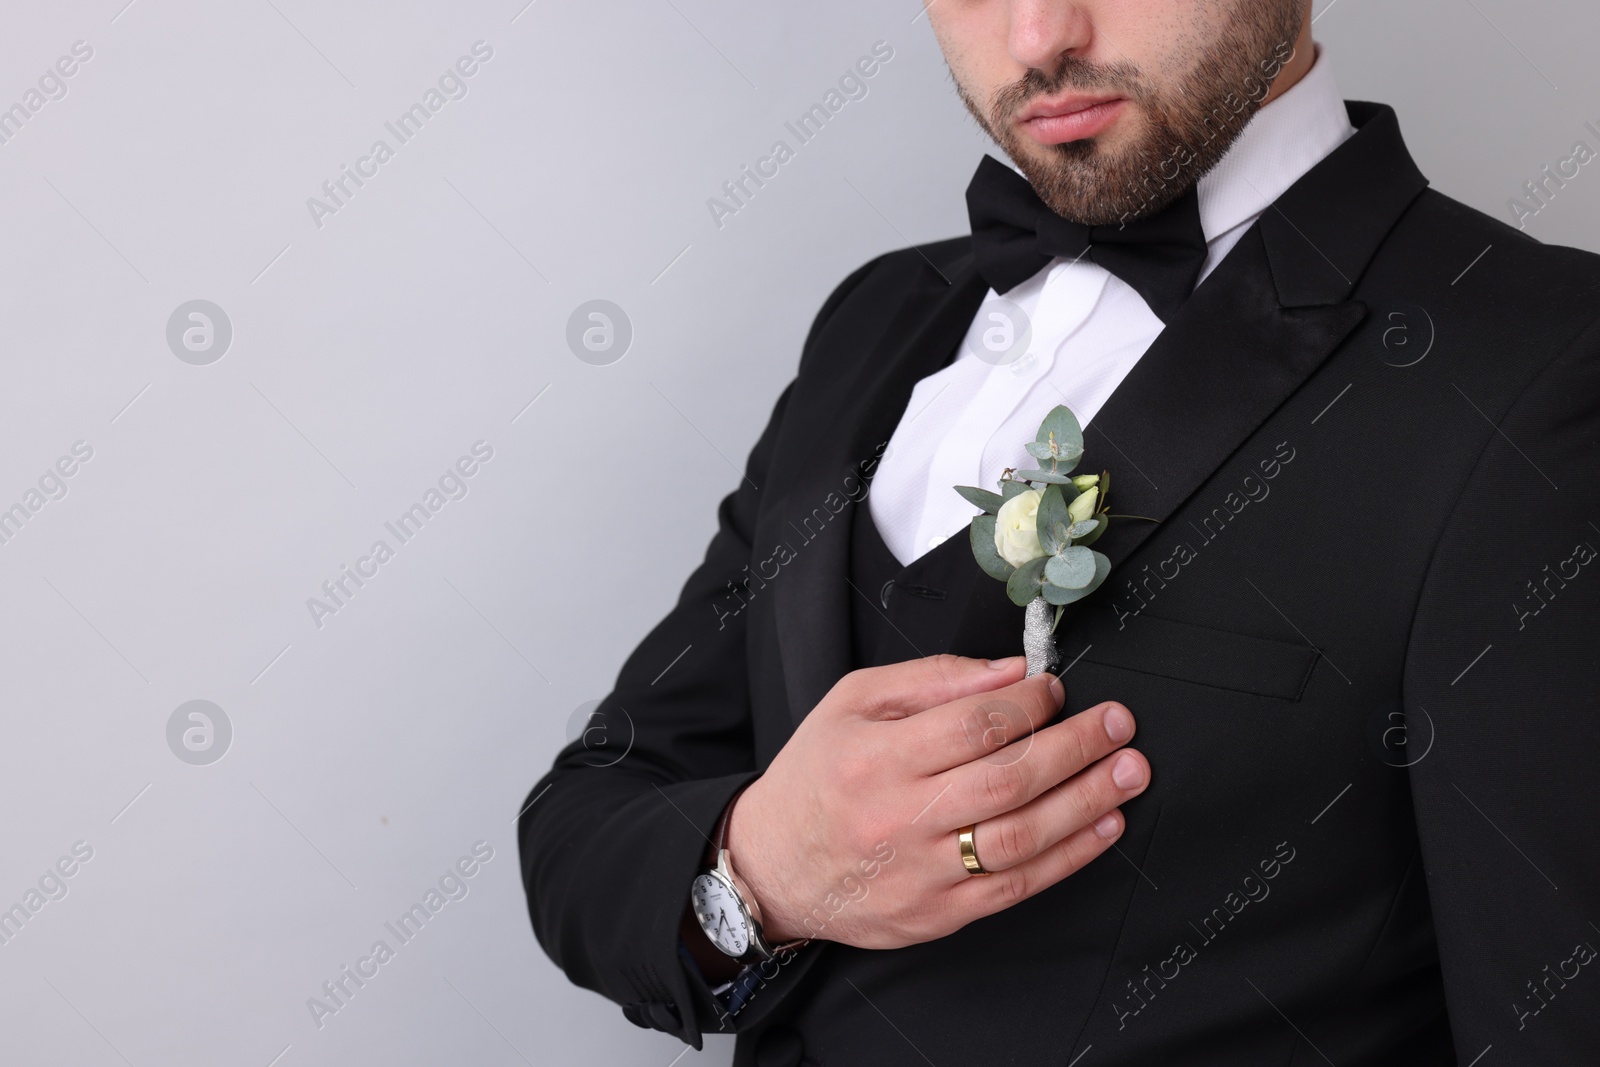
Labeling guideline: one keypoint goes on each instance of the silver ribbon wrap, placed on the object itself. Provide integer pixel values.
(1037, 641)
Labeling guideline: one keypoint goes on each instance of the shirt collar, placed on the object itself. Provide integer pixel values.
(1280, 143)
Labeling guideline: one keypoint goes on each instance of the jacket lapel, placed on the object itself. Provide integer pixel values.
(851, 420)
(1253, 332)
(1226, 362)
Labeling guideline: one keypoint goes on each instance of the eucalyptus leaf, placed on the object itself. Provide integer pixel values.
(1048, 477)
(1071, 569)
(983, 549)
(1009, 489)
(1025, 582)
(1039, 450)
(1061, 425)
(987, 502)
(1052, 514)
(1083, 529)
(1057, 621)
(1054, 594)
(1104, 524)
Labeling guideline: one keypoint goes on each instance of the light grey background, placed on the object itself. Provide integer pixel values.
(369, 353)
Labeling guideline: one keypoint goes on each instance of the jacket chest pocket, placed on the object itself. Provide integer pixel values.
(1201, 655)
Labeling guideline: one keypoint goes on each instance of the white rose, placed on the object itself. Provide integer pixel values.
(1016, 530)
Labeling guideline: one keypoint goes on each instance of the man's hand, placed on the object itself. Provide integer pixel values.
(850, 834)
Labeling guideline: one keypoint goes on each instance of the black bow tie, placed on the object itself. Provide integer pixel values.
(1014, 234)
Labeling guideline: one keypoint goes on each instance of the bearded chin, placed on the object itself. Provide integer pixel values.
(1088, 183)
(1182, 132)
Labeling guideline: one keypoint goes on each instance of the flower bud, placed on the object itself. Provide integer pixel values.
(1081, 509)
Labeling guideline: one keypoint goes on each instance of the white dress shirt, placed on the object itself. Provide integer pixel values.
(967, 423)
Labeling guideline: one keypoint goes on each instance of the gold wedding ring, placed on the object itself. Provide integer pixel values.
(969, 852)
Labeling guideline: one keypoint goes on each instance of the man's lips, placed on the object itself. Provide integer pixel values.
(1072, 118)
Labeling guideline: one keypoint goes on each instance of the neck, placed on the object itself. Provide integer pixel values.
(1305, 54)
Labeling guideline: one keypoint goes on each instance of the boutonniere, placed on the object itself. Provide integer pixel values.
(1035, 533)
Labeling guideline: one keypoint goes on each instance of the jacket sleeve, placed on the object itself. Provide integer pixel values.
(612, 836)
(1503, 677)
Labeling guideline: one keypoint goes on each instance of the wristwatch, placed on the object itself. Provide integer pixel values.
(731, 920)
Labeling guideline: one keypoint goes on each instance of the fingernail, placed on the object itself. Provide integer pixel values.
(1128, 773)
(1107, 826)
(1005, 664)
(1056, 688)
(1119, 725)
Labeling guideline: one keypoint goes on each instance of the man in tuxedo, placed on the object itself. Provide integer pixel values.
(1357, 643)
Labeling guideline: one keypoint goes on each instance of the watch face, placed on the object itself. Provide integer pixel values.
(716, 906)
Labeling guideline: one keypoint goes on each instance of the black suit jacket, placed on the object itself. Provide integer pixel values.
(1361, 645)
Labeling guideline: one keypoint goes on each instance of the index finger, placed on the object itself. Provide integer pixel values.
(897, 690)
(975, 726)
